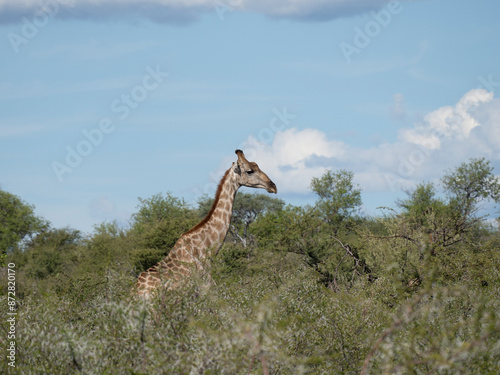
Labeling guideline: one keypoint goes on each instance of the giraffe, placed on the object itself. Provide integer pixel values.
(204, 239)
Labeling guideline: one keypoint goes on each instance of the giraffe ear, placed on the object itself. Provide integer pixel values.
(238, 163)
(237, 169)
(241, 157)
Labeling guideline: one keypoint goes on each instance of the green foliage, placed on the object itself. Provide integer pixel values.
(233, 258)
(420, 203)
(318, 290)
(17, 221)
(449, 330)
(107, 248)
(289, 324)
(247, 208)
(53, 252)
(339, 197)
(282, 229)
(437, 227)
(158, 208)
(303, 231)
(471, 183)
(143, 258)
(157, 226)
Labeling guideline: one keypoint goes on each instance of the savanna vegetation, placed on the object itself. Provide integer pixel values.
(295, 290)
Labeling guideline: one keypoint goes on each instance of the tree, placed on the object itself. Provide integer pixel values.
(466, 187)
(420, 200)
(248, 207)
(158, 208)
(339, 197)
(470, 184)
(435, 224)
(53, 251)
(157, 226)
(17, 221)
(420, 203)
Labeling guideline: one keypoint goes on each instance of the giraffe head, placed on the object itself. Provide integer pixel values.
(250, 174)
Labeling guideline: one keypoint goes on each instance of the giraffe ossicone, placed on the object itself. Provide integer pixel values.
(204, 240)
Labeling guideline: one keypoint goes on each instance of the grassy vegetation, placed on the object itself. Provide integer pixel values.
(294, 290)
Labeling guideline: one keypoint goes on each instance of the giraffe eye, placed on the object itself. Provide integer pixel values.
(250, 172)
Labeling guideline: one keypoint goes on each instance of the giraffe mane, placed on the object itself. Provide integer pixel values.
(214, 205)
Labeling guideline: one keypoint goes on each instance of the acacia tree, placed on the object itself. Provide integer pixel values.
(339, 197)
(467, 187)
(420, 202)
(470, 184)
(449, 220)
(336, 253)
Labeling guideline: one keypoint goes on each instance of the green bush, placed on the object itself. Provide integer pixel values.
(374, 295)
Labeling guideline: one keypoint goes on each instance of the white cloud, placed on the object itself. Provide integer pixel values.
(292, 158)
(182, 11)
(448, 122)
(446, 137)
(295, 147)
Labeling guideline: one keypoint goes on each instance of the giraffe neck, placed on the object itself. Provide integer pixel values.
(220, 217)
(207, 237)
(200, 242)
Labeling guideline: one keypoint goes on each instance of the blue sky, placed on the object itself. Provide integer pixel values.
(102, 102)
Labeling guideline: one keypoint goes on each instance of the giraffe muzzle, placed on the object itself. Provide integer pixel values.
(272, 188)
